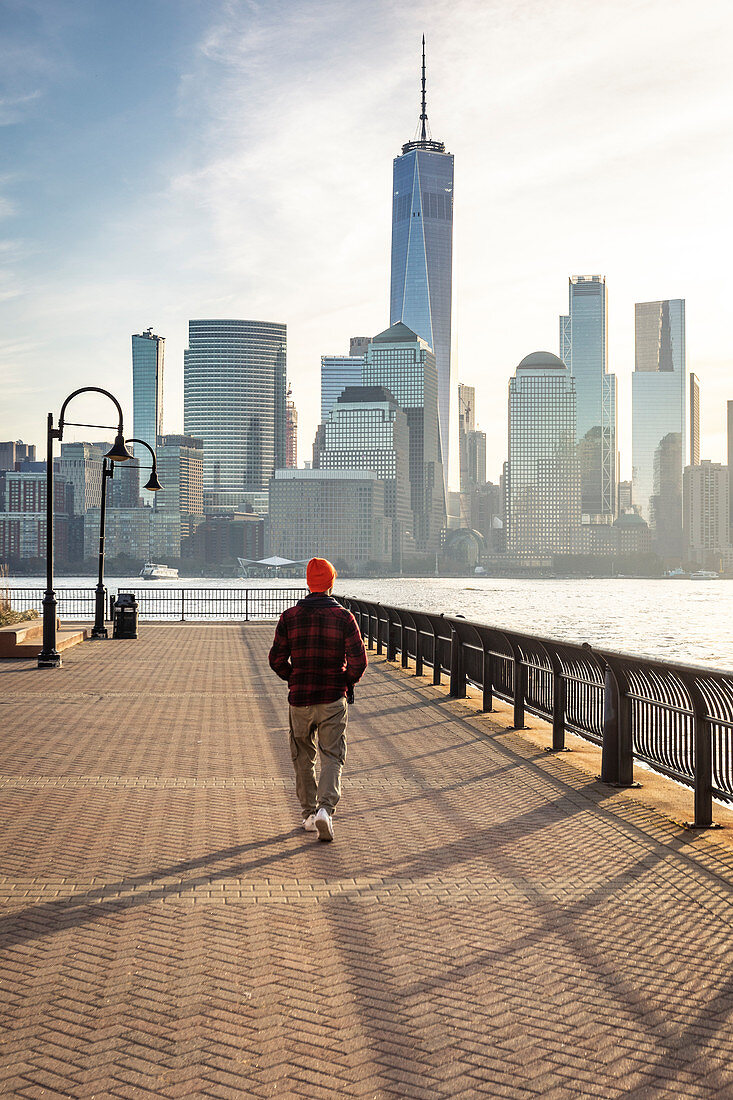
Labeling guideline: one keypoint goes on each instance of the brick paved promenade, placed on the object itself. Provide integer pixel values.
(488, 922)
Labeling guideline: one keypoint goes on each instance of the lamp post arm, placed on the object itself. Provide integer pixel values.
(133, 440)
(88, 389)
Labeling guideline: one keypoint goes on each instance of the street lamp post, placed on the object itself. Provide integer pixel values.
(49, 656)
(99, 630)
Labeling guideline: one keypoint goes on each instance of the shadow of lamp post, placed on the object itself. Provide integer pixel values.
(49, 656)
(99, 630)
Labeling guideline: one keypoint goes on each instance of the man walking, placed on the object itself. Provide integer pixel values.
(319, 651)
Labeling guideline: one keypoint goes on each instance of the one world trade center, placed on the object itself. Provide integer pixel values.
(422, 251)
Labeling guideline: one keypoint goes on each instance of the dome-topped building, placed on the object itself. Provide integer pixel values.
(542, 360)
(543, 498)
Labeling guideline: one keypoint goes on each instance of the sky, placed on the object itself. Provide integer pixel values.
(162, 160)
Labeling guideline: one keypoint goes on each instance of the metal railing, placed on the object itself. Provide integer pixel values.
(213, 604)
(72, 603)
(170, 604)
(676, 718)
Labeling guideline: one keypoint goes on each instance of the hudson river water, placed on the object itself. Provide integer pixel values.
(677, 620)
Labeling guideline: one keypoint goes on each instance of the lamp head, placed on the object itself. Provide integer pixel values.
(118, 452)
(153, 484)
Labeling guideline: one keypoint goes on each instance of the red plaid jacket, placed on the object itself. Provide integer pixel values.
(318, 650)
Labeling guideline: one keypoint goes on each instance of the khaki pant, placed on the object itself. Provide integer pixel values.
(327, 721)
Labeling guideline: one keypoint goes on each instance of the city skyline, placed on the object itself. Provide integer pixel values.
(106, 233)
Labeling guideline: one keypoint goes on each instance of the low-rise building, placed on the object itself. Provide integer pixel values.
(336, 514)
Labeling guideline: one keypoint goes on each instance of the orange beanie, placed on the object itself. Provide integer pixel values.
(320, 575)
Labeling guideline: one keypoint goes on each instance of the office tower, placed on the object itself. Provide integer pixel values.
(367, 430)
(694, 420)
(358, 345)
(13, 453)
(137, 533)
(624, 497)
(23, 519)
(147, 400)
(338, 372)
(422, 252)
(181, 473)
(706, 515)
(405, 365)
(234, 400)
(336, 514)
(543, 482)
(659, 394)
(466, 424)
(80, 466)
(291, 431)
(584, 350)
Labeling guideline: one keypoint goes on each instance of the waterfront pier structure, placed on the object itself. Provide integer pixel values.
(491, 920)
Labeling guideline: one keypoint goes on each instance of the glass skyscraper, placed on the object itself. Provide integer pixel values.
(234, 393)
(147, 403)
(659, 394)
(338, 372)
(543, 476)
(404, 364)
(422, 252)
(584, 350)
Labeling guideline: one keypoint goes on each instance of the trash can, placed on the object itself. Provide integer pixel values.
(124, 619)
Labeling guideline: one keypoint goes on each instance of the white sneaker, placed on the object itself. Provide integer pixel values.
(309, 823)
(324, 825)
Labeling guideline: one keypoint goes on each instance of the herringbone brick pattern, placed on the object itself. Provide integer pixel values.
(488, 921)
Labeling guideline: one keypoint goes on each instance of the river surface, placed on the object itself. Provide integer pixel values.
(677, 620)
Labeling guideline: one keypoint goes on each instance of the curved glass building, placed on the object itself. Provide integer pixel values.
(234, 393)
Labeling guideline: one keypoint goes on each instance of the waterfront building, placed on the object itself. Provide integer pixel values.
(584, 350)
(543, 475)
(222, 539)
(336, 514)
(13, 453)
(706, 494)
(23, 515)
(291, 431)
(338, 372)
(80, 466)
(367, 430)
(422, 252)
(148, 352)
(659, 436)
(181, 473)
(402, 363)
(694, 420)
(138, 533)
(234, 399)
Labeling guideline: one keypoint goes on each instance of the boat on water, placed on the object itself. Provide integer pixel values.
(704, 575)
(153, 572)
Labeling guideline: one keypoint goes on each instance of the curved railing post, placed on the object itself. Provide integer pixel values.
(702, 755)
(370, 627)
(404, 649)
(436, 651)
(391, 635)
(379, 629)
(617, 757)
(520, 683)
(457, 664)
(559, 699)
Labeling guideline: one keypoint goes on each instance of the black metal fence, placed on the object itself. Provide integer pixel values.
(73, 603)
(169, 604)
(676, 718)
(213, 604)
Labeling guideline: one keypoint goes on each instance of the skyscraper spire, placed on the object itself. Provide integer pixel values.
(424, 115)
